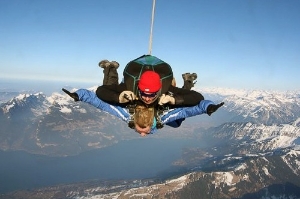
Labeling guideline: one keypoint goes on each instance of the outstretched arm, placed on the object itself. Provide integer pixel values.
(91, 98)
(205, 106)
(184, 97)
(110, 93)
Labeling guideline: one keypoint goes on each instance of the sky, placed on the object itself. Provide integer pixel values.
(246, 44)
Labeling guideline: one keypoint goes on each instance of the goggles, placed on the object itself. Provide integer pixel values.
(143, 94)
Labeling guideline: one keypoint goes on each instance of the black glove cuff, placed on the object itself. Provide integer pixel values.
(178, 100)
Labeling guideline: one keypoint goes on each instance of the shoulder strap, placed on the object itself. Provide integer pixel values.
(131, 109)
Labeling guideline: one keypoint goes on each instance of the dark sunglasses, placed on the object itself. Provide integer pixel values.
(147, 94)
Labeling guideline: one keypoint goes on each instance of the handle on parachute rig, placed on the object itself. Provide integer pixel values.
(129, 98)
(131, 108)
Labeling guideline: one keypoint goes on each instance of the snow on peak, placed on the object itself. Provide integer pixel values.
(257, 105)
(18, 100)
(26, 95)
(251, 94)
(228, 178)
(221, 91)
(65, 101)
(297, 122)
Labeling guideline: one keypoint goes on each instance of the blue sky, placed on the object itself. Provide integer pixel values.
(247, 44)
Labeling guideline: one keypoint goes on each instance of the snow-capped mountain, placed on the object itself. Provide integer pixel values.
(56, 125)
(269, 120)
(254, 178)
(256, 139)
(263, 107)
(7, 95)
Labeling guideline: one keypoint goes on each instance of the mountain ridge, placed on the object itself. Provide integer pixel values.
(258, 126)
(39, 114)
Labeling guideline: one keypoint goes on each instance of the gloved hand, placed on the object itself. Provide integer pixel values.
(126, 96)
(213, 108)
(165, 99)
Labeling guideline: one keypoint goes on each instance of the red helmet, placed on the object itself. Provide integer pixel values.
(150, 82)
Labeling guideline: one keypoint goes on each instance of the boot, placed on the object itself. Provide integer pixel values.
(112, 77)
(213, 108)
(73, 95)
(194, 76)
(185, 76)
(104, 63)
(189, 80)
(114, 64)
(189, 77)
(188, 85)
(105, 75)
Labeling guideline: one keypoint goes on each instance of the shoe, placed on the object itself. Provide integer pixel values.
(185, 76)
(194, 76)
(189, 80)
(104, 63)
(213, 108)
(189, 77)
(114, 64)
(73, 95)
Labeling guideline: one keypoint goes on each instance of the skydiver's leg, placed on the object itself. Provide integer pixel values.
(176, 123)
(113, 77)
(188, 84)
(104, 64)
(110, 72)
(189, 80)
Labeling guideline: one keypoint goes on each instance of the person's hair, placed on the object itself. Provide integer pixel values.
(143, 116)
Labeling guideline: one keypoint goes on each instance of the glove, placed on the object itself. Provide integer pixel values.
(126, 96)
(165, 99)
(213, 108)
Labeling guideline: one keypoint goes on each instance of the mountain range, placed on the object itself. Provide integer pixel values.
(253, 145)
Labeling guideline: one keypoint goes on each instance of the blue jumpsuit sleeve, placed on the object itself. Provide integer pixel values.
(185, 112)
(176, 123)
(175, 117)
(91, 98)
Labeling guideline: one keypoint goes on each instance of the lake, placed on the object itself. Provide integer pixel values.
(142, 158)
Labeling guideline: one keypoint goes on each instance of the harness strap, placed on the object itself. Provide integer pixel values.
(159, 111)
(157, 114)
(131, 109)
